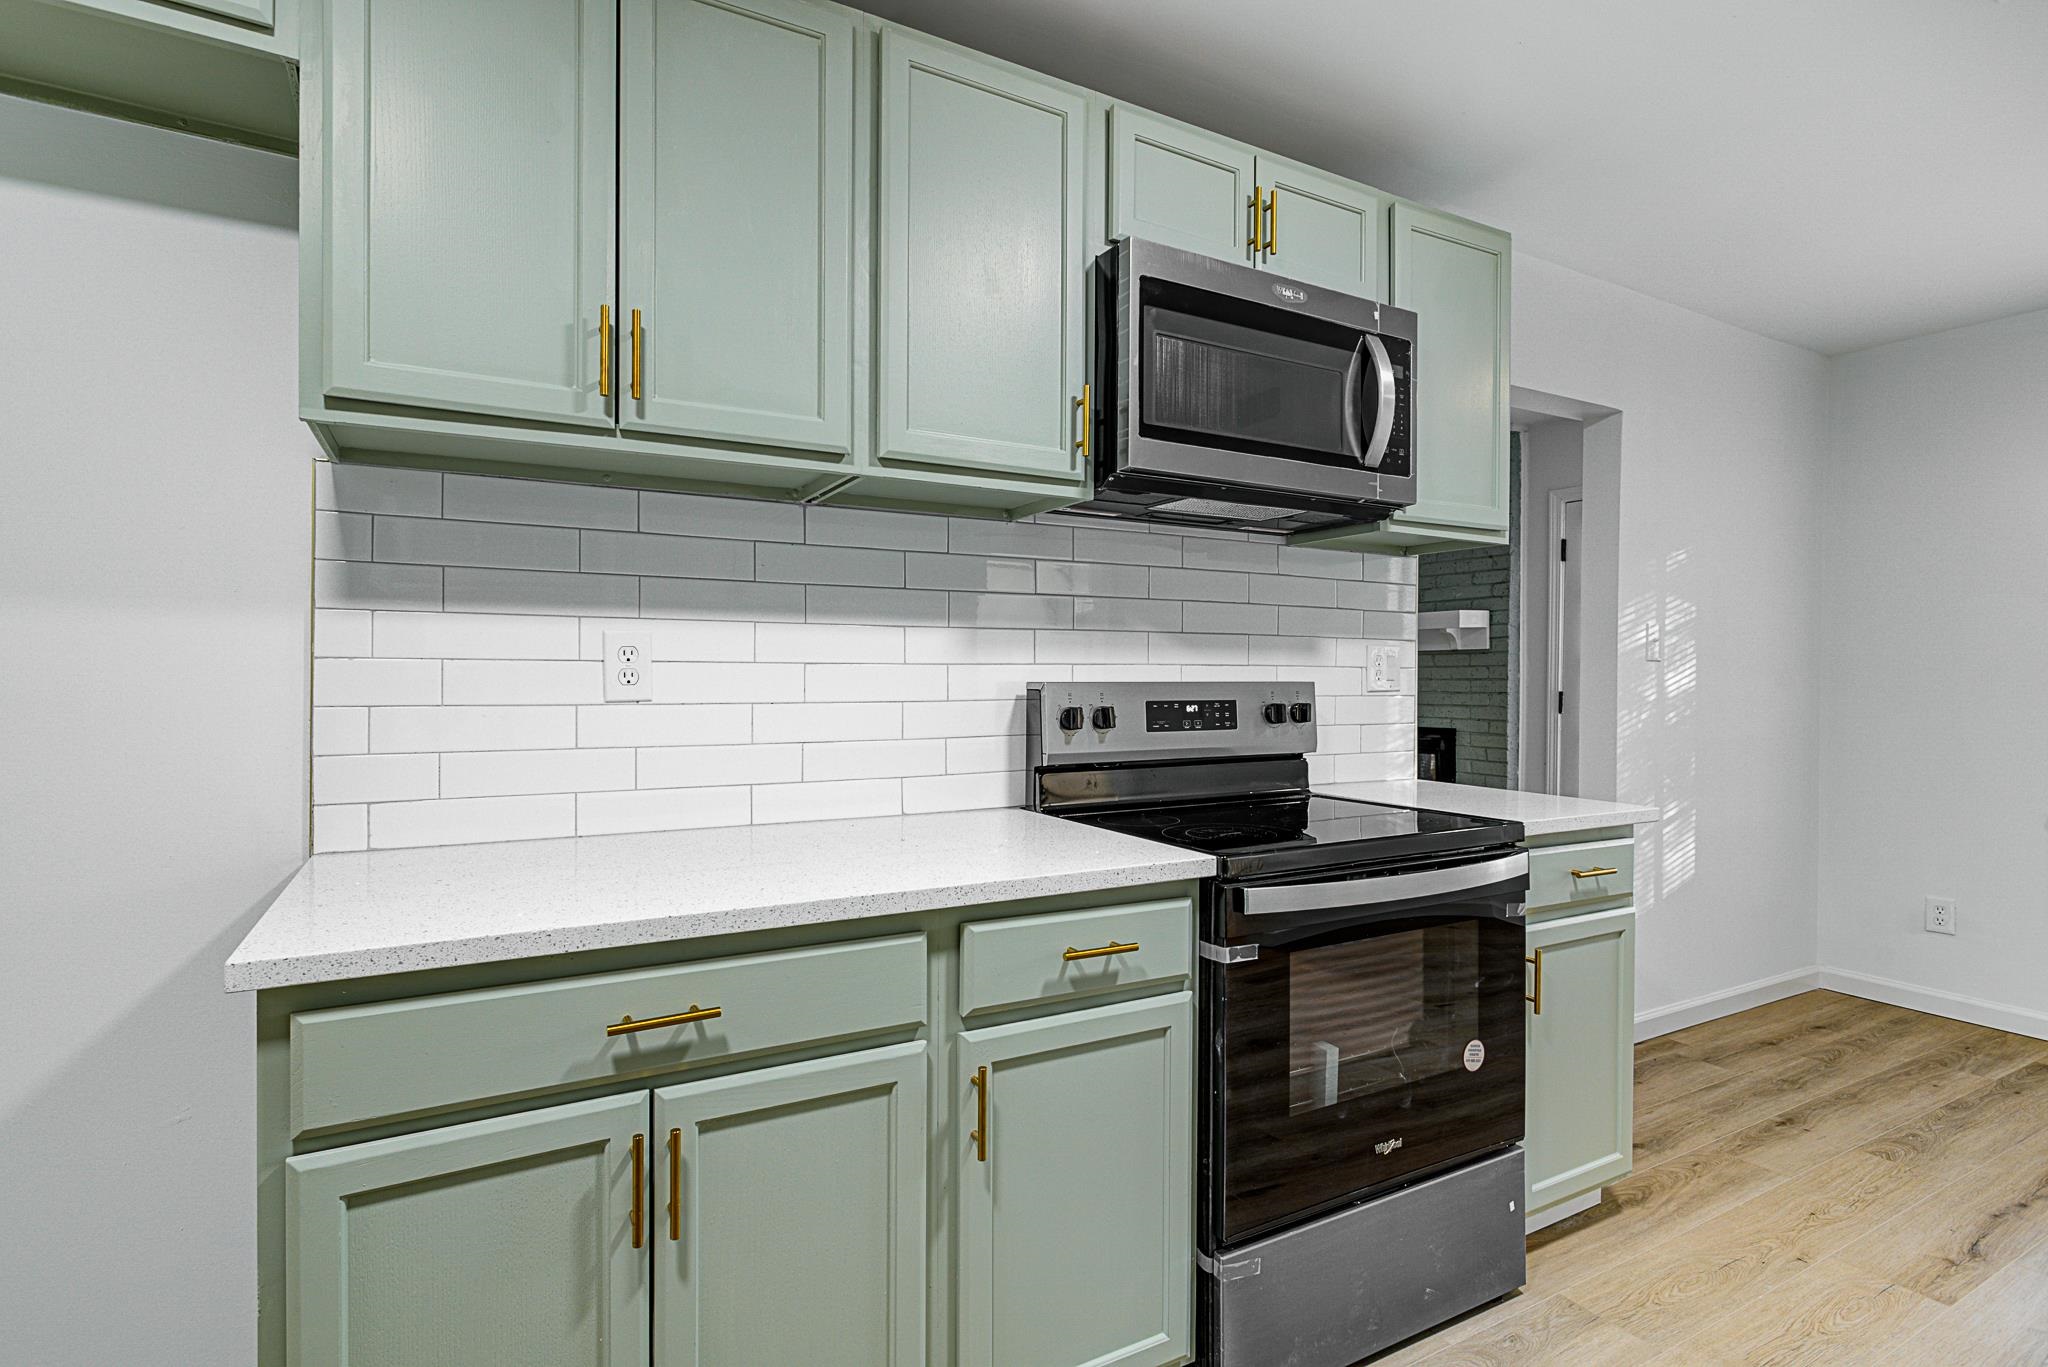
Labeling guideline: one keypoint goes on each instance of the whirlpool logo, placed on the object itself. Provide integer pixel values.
(1386, 1146)
(1293, 294)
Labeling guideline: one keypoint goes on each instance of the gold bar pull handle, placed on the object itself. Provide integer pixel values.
(1102, 951)
(675, 1186)
(604, 351)
(1593, 873)
(1082, 443)
(636, 353)
(1535, 998)
(1273, 221)
(979, 1134)
(639, 1189)
(628, 1026)
(1256, 241)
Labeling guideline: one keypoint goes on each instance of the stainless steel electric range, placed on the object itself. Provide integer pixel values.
(1361, 993)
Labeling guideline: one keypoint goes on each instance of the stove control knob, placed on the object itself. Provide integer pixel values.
(1301, 712)
(1105, 717)
(1070, 719)
(1275, 713)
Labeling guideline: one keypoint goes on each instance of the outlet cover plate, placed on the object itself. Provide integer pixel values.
(628, 666)
(1383, 669)
(1941, 915)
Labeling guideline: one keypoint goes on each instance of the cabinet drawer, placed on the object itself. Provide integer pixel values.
(1554, 874)
(1027, 959)
(354, 1064)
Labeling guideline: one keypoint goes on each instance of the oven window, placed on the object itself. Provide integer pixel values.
(1381, 1015)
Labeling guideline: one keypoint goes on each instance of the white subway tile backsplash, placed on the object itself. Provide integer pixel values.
(471, 820)
(376, 683)
(510, 773)
(474, 636)
(478, 498)
(806, 662)
(651, 723)
(707, 766)
(420, 729)
(376, 778)
(660, 809)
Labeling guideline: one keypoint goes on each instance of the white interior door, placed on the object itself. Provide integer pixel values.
(1561, 750)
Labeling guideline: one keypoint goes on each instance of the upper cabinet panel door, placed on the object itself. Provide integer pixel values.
(738, 201)
(983, 262)
(262, 12)
(470, 204)
(502, 1241)
(1076, 1207)
(1178, 185)
(1454, 275)
(1322, 230)
(791, 1223)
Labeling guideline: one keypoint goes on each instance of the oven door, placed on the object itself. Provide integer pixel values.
(1366, 1032)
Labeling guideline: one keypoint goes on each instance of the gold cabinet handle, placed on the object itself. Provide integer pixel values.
(1082, 443)
(1256, 242)
(639, 1189)
(628, 1026)
(675, 1186)
(979, 1134)
(1535, 999)
(1593, 873)
(604, 351)
(636, 353)
(1111, 948)
(1273, 221)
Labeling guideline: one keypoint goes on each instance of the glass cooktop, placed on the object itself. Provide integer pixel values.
(1301, 831)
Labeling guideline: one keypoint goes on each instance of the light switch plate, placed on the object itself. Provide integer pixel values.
(1653, 642)
(628, 666)
(1383, 669)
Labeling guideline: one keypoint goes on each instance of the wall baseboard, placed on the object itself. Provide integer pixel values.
(1728, 1001)
(2018, 1020)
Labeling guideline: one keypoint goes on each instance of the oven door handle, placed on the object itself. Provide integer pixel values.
(1387, 887)
(1383, 417)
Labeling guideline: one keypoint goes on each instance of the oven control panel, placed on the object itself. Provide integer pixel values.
(1119, 722)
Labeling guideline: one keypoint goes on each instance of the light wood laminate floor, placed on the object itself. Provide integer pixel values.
(1824, 1179)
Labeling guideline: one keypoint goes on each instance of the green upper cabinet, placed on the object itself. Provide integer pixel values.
(983, 261)
(1075, 1210)
(1581, 1091)
(470, 205)
(738, 200)
(1322, 230)
(1178, 185)
(797, 1229)
(262, 12)
(506, 1240)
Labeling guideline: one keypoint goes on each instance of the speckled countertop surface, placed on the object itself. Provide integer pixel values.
(394, 911)
(1539, 813)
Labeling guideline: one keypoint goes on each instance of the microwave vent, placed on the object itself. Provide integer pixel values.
(1221, 511)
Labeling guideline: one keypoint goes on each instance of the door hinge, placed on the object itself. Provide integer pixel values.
(1227, 954)
(1564, 549)
(1228, 1271)
(1560, 702)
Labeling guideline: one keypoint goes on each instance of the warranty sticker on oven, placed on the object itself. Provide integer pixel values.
(1475, 1054)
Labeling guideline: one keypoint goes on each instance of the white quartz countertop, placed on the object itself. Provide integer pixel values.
(1539, 813)
(394, 911)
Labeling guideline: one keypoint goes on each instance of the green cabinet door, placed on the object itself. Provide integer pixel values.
(983, 261)
(1075, 1213)
(470, 203)
(1178, 185)
(737, 195)
(800, 1201)
(1323, 230)
(1454, 275)
(502, 1242)
(262, 12)
(1581, 1083)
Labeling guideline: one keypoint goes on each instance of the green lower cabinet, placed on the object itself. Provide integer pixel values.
(799, 1196)
(1581, 1087)
(506, 1241)
(1075, 1216)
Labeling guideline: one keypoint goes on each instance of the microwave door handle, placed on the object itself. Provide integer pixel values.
(1388, 887)
(1383, 417)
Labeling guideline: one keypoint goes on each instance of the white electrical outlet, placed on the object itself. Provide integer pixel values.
(628, 666)
(1383, 669)
(1941, 915)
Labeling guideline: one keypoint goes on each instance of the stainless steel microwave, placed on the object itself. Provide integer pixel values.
(1225, 396)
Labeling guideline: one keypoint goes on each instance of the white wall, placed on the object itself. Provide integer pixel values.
(153, 617)
(1934, 738)
(1713, 468)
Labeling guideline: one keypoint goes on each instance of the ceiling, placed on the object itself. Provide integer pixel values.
(1834, 173)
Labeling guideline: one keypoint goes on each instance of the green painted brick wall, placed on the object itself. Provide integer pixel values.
(1468, 689)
